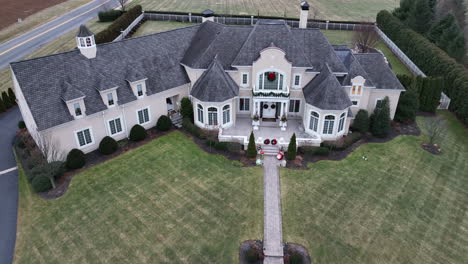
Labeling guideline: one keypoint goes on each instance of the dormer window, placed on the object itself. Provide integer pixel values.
(139, 90)
(357, 85)
(88, 42)
(356, 90)
(110, 99)
(77, 108)
(82, 42)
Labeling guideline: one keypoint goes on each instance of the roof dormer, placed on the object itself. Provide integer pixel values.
(74, 99)
(137, 81)
(85, 42)
(357, 84)
(107, 90)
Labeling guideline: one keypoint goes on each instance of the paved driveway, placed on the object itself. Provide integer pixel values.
(8, 185)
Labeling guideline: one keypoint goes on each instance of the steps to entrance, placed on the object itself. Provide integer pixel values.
(176, 119)
(270, 150)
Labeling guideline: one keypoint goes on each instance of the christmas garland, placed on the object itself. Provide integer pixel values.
(270, 94)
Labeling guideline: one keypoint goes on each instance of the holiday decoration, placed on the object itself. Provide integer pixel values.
(271, 76)
(280, 156)
(274, 142)
(273, 106)
(267, 141)
(265, 106)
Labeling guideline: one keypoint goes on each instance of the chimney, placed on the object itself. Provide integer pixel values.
(85, 42)
(207, 15)
(304, 15)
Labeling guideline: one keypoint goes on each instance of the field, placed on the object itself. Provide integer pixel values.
(151, 27)
(402, 205)
(33, 13)
(165, 202)
(355, 10)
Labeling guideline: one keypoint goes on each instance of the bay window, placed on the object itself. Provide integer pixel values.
(314, 120)
(328, 124)
(212, 116)
(226, 114)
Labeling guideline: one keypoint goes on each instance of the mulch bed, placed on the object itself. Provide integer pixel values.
(93, 158)
(431, 148)
(397, 129)
(290, 249)
(257, 246)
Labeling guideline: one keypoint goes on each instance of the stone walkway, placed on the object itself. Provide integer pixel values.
(273, 234)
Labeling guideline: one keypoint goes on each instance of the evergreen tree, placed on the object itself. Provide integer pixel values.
(251, 148)
(404, 10)
(12, 96)
(292, 149)
(2, 106)
(380, 119)
(186, 108)
(430, 95)
(6, 100)
(420, 16)
(408, 106)
(361, 122)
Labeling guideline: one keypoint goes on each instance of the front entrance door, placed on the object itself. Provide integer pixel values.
(269, 109)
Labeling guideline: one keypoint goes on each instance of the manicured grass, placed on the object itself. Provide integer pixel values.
(345, 37)
(355, 10)
(151, 27)
(65, 42)
(402, 205)
(165, 202)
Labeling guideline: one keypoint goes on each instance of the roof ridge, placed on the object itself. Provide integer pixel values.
(297, 44)
(211, 43)
(246, 40)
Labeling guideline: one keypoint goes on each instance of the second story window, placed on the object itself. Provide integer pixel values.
(77, 108)
(139, 89)
(297, 80)
(356, 90)
(245, 79)
(271, 81)
(110, 99)
(88, 42)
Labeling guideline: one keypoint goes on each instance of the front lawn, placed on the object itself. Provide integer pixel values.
(165, 202)
(402, 205)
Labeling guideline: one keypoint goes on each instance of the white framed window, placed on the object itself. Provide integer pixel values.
(341, 123)
(226, 114)
(84, 137)
(297, 80)
(271, 80)
(244, 104)
(82, 44)
(355, 103)
(328, 124)
(200, 113)
(213, 116)
(88, 42)
(378, 102)
(314, 121)
(77, 108)
(115, 126)
(143, 116)
(294, 105)
(110, 99)
(244, 79)
(139, 88)
(356, 90)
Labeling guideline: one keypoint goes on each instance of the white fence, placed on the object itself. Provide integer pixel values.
(129, 28)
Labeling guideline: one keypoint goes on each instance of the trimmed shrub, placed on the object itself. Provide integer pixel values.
(164, 123)
(191, 128)
(251, 147)
(109, 15)
(121, 23)
(322, 151)
(76, 159)
(21, 124)
(380, 119)
(108, 145)
(41, 183)
(361, 122)
(137, 133)
(407, 106)
(2, 106)
(6, 100)
(186, 108)
(429, 97)
(12, 96)
(292, 150)
(56, 169)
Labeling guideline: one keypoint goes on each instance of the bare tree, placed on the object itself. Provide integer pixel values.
(122, 4)
(49, 147)
(365, 37)
(435, 128)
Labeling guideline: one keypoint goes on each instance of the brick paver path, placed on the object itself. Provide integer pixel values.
(273, 234)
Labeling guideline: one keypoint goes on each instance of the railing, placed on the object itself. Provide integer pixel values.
(130, 27)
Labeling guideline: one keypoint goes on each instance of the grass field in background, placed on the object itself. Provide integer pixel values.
(165, 202)
(402, 205)
(340, 37)
(349, 10)
(151, 27)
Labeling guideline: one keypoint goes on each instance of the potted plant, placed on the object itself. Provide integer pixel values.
(283, 123)
(255, 121)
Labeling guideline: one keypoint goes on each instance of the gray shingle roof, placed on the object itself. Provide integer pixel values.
(215, 85)
(326, 93)
(155, 56)
(353, 66)
(378, 71)
(70, 93)
(133, 74)
(84, 32)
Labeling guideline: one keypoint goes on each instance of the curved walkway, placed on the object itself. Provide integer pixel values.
(273, 234)
(8, 185)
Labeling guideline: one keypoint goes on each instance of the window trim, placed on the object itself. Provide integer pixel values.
(318, 121)
(75, 108)
(357, 100)
(341, 124)
(376, 100)
(300, 105)
(149, 115)
(243, 110)
(78, 141)
(108, 100)
(262, 73)
(333, 127)
(202, 109)
(109, 128)
(229, 109)
(358, 91)
(294, 80)
(242, 79)
(142, 90)
(208, 116)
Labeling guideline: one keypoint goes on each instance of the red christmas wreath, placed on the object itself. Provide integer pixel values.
(265, 106)
(267, 141)
(271, 76)
(273, 106)
(274, 142)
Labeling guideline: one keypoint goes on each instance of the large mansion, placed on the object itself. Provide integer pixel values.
(268, 78)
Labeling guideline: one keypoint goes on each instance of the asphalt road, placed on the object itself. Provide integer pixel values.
(8, 185)
(14, 50)
(19, 47)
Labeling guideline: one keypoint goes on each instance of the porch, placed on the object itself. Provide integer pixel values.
(240, 133)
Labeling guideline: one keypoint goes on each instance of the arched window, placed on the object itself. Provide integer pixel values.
(213, 116)
(328, 124)
(271, 80)
(88, 42)
(226, 114)
(314, 119)
(200, 113)
(341, 123)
